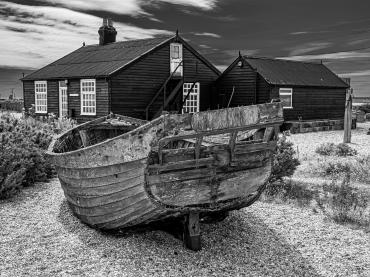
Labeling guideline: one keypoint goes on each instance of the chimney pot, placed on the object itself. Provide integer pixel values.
(107, 33)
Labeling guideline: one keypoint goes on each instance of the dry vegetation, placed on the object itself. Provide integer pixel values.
(22, 145)
(333, 178)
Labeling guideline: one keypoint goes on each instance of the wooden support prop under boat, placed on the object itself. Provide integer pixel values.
(192, 232)
(118, 171)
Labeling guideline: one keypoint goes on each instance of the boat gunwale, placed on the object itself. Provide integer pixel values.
(157, 120)
(50, 152)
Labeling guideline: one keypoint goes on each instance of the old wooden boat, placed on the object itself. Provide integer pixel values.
(118, 171)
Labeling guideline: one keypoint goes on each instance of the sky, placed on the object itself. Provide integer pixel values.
(35, 33)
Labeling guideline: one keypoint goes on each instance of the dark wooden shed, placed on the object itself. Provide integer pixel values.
(138, 78)
(309, 91)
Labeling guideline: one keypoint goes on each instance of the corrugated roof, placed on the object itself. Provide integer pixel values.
(97, 60)
(285, 72)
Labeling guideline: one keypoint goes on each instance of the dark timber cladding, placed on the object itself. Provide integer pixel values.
(240, 78)
(133, 87)
(317, 93)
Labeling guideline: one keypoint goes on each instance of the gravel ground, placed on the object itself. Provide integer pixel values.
(40, 237)
(311, 163)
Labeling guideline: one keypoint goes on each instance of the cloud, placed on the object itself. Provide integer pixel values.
(307, 47)
(127, 7)
(213, 35)
(356, 74)
(330, 56)
(39, 35)
(201, 4)
(298, 33)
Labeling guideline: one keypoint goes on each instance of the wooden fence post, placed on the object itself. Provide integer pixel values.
(348, 117)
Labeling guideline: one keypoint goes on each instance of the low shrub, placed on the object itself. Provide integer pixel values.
(326, 149)
(336, 168)
(11, 105)
(330, 149)
(285, 161)
(22, 159)
(343, 150)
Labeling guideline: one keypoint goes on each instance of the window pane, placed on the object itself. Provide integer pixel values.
(286, 100)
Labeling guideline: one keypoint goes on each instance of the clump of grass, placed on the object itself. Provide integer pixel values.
(331, 149)
(288, 190)
(344, 203)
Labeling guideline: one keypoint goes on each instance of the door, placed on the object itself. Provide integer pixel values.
(176, 58)
(63, 100)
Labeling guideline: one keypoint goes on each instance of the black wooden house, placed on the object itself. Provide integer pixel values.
(138, 78)
(309, 91)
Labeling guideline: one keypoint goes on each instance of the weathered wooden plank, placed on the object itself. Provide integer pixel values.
(131, 208)
(101, 171)
(178, 176)
(109, 208)
(90, 192)
(244, 183)
(183, 193)
(181, 165)
(220, 131)
(225, 119)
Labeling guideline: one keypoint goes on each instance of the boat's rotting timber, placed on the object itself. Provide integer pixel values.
(118, 171)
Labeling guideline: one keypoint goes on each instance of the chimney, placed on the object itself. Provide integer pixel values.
(107, 33)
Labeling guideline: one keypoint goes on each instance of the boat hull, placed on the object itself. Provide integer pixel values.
(147, 175)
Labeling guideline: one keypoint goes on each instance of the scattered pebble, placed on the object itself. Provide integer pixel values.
(40, 237)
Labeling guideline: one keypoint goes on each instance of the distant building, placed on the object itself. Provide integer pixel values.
(308, 91)
(138, 78)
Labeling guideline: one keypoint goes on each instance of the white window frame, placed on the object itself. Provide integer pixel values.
(174, 62)
(63, 106)
(41, 95)
(287, 92)
(191, 104)
(88, 93)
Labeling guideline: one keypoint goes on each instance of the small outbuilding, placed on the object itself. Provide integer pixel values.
(138, 78)
(309, 91)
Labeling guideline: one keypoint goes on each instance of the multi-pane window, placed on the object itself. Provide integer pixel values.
(286, 97)
(41, 97)
(191, 104)
(88, 97)
(63, 99)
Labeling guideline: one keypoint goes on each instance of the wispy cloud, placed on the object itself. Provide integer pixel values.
(330, 56)
(308, 47)
(206, 34)
(298, 33)
(201, 4)
(127, 7)
(39, 35)
(356, 73)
